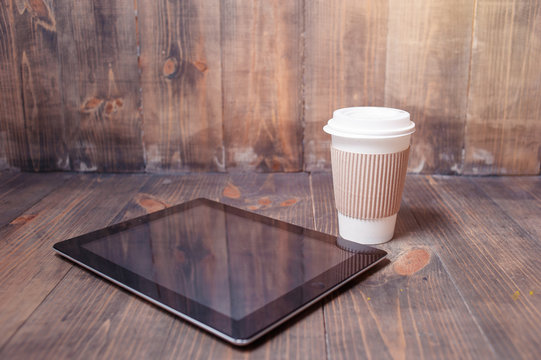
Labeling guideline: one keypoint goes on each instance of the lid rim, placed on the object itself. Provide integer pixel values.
(370, 122)
(392, 114)
(373, 135)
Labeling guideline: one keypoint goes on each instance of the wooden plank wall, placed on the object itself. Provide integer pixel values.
(225, 85)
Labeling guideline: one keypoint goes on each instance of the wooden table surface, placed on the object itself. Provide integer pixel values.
(463, 280)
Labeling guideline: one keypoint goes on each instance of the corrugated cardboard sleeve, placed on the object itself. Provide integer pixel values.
(368, 186)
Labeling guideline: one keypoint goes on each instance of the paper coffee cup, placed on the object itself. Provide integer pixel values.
(369, 156)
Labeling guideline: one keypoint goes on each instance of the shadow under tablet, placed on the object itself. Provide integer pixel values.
(234, 273)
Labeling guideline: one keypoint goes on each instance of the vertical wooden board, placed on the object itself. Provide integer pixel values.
(428, 53)
(100, 78)
(494, 262)
(32, 121)
(4, 163)
(345, 51)
(13, 146)
(261, 62)
(503, 129)
(181, 85)
(407, 309)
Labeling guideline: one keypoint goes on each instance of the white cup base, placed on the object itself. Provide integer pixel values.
(368, 232)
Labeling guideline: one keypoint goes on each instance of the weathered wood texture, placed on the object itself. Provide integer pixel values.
(105, 316)
(12, 140)
(100, 81)
(463, 275)
(345, 52)
(219, 85)
(29, 270)
(393, 312)
(20, 191)
(428, 55)
(492, 259)
(503, 128)
(262, 84)
(31, 120)
(181, 84)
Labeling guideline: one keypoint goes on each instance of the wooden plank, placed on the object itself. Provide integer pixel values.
(29, 270)
(4, 162)
(494, 262)
(20, 191)
(345, 53)
(13, 148)
(531, 184)
(162, 191)
(86, 317)
(503, 130)
(32, 120)
(303, 338)
(514, 200)
(98, 308)
(261, 61)
(280, 196)
(100, 79)
(181, 85)
(428, 55)
(298, 339)
(409, 308)
(103, 321)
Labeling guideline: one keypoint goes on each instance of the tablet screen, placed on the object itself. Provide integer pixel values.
(229, 269)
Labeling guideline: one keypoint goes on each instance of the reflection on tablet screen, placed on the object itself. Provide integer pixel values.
(223, 260)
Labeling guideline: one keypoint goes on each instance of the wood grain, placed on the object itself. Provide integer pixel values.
(262, 82)
(410, 308)
(515, 200)
(181, 85)
(303, 338)
(104, 316)
(531, 184)
(161, 86)
(504, 133)
(345, 60)
(32, 120)
(20, 191)
(100, 79)
(493, 261)
(465, 255)
(29, 270)
(281, 196)
(162, 191)
(13, 145)
(428, 54)
(88, 318)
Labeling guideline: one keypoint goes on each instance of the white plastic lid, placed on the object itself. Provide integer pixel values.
(372, 122)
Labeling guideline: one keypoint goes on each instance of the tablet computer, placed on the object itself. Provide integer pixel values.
(231, 272)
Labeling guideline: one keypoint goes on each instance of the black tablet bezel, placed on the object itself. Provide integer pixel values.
(238, 332)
